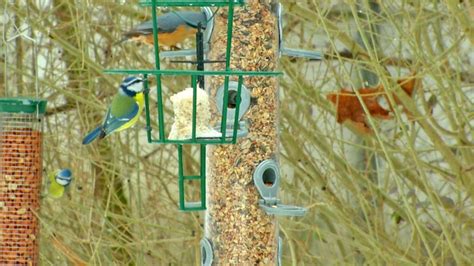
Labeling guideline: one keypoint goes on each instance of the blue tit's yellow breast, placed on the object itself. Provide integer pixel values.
(55, 190)
(140, 100)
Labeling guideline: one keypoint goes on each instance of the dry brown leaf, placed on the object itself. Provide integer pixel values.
(349, 107)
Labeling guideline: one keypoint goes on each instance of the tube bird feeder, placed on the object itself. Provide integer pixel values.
(243, 179)
(20, 179)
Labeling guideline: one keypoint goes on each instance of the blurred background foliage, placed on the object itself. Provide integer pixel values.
(399, 196)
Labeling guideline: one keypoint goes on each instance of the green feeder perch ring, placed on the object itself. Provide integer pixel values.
(23, 105)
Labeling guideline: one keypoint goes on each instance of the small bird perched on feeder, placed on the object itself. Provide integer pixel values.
(173, 28)
(58, 182)
(124, 111)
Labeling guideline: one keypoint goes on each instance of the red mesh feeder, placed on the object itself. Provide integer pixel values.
(20, 179)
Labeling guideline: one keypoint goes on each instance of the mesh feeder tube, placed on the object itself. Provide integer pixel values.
(237, 230)
(20, 179)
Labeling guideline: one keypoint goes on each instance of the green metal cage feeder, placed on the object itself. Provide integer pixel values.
(228, 127)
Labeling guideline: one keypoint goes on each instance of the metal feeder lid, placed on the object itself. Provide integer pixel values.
(23, 105)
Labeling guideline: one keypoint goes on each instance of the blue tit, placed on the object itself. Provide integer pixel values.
(58, 182)
(173, 28)
(124, 111)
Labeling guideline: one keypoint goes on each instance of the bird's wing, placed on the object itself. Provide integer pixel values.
(51, 177)
(169, 22)
(192, 19)
(114, 120)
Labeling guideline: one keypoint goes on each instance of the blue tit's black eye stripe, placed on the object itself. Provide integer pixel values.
(128, 92)
(136, 81)
(130, 81)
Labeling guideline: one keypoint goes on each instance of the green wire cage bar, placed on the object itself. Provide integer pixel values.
(196, 205)
(200, 3)
(225, 135)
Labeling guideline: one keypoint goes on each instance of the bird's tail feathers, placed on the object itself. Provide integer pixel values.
(98, 132)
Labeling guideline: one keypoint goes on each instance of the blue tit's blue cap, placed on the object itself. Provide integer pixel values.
(64, 177)
(65, 172)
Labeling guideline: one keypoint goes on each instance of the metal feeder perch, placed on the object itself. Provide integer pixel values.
(267, 180)
(20, 179)
(230, 126)
(311, 55)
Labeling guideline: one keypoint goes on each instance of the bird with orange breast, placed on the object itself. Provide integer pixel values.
(173, 28)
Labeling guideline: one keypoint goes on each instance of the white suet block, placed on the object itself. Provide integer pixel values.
(183, 115)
